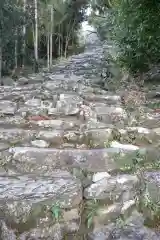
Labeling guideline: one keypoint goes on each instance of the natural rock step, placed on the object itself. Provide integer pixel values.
(104, 136)
(107, 214)
(150, 193)
(132, 229)
(58, 124)
(46, 160)
(16, 135)
(15, 94)
(111, 114)
(106, 98)
(120, 188)
(30, 197)
(64, 144)
(92, 138)
(8, 107)
(43, 231)
(8, 122)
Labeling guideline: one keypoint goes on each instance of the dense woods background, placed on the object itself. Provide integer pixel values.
(133, 27)
(34, 32)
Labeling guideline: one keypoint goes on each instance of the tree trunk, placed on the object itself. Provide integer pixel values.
(48, 51)
(59, 41)
(16, 50)
(24, 35)
(36, 38)
(62, 41)
(66, 44)
(69, 32)
(51, 37)
(1, 80)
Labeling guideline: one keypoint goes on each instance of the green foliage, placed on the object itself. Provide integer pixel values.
(10, 18)
(91, 211)
(134, 27)
(145, 203)
(137, 34)
(67, 18)
(56, 211)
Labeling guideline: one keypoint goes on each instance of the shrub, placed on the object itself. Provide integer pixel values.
(134, 27)
(136, 32)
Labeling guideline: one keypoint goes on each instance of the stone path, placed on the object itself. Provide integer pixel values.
(68, 165)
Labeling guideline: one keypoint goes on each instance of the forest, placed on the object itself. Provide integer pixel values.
(37, 32)
(134, 29)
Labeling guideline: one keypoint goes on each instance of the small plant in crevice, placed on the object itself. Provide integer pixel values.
(153, 105)
(91, 208)
(149, 204)
(130, 162)
(138, 158)
(149, 209)
(153, 165)
(56, 211)
(120, 222)
(107, 144)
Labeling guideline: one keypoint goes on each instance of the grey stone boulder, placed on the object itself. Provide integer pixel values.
(54, 231)
(113, 188)
(7, 107)
(149, 197)
(131, 229)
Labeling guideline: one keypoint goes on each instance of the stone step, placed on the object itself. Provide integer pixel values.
(150, 194)
(45, 160)
(120, 188)
(138, 136)
(66, 143)
(16, 135)
(30, 198)
(131, 229)
(106, 98)
(93, 138)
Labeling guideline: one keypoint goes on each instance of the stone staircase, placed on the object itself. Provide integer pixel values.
(71, 164)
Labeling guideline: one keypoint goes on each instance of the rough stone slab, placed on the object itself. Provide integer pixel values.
(34, 102)
(112, 188)
(39, 143)
(31, 110)
(110, 99)
(54, 231)
(97, 137)
(22, 198)
(16, 134)
(73, 98)
(57, 124)
(33, 159)
(94, 124)
(4, 146)
(152, 186)
(127, 147)
(110, 114)
(133, 229)
(107, 214)
(52, 136)
(67, 107)
(7, 107)
(12, 121)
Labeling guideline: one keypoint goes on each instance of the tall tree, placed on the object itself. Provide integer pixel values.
(10, 18)
(43, 29)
